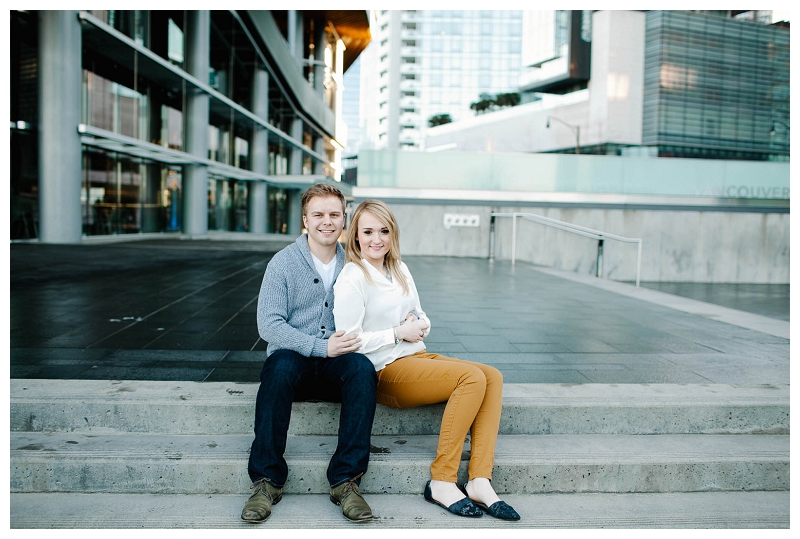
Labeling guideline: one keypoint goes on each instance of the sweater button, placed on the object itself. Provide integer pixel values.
(326, 303)
(323, 327)
(316, 280)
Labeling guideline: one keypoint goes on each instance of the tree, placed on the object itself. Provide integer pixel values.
(482, 106)
(439, 119)
(490, 102)
(507, 100)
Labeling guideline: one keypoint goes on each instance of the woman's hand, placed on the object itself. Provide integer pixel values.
(412, 331)
(410, 317)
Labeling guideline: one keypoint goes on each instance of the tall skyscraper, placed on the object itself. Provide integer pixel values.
(422, 63)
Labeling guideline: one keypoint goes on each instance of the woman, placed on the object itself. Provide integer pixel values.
(375, 297)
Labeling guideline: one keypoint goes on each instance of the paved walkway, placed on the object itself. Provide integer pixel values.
(771, 300)
(185, 310)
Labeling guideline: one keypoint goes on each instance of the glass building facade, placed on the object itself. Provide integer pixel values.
(268, 82)
(715, 87)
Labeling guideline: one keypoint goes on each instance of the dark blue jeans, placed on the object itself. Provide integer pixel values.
(288, 377)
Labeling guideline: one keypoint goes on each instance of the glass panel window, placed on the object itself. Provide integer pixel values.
(227, 204)
(706, 78)
(220, 203)
(174, 43)
(122, 194)
(242, 153)
(132, 23)
(277, 211)
(112, 106)
(171, 128)
(240, 223)
(278, 161)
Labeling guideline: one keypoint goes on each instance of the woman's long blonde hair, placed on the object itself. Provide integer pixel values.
(382, 213)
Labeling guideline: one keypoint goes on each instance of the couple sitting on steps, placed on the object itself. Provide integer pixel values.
(376, 353)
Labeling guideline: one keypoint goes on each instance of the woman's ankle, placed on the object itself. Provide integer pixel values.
(445, 492)
(480, 490)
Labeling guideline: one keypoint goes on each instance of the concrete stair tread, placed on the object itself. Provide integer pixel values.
(587, 448)
(700, 510)
(99, 406)
(188, 438)
(233, 393)
(63, 462)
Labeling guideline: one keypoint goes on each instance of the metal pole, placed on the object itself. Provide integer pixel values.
(577, 139)
(513, 239)
(491, 238)
(599, 258)
(639, 263)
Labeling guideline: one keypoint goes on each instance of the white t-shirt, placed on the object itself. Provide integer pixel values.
(373, 310)
(325, 271)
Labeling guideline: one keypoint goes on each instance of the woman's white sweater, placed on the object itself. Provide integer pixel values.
(373, 310)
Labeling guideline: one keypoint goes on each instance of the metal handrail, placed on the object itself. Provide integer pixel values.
(568, 227)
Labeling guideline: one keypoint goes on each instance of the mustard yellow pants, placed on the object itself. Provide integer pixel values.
(474, 394)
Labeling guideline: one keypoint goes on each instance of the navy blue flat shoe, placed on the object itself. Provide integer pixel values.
(500, 509)
(462, 508)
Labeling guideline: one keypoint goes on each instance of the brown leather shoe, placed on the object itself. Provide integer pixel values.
(259, 505)
(354, 507)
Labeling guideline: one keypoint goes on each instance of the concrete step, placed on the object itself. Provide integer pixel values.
(699, 510)
(199, 464)
(100, 406)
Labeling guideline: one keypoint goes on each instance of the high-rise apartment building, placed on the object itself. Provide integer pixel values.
(422, 63)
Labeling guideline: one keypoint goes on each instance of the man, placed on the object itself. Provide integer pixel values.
(306, 359)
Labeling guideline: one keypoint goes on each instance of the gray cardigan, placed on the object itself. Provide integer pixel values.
(294, 310)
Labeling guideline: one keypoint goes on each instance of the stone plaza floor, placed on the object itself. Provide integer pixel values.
(185, 310)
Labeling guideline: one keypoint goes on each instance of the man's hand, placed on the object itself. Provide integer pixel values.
(340, 344)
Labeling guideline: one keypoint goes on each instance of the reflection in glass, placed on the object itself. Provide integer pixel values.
(112, 106)
(171, 128)
(278, 160)
(227, 204)
(709, 86)
(127, 195)
(277, 211)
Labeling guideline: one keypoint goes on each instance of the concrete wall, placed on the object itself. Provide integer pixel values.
(616, 86)
(678, 246)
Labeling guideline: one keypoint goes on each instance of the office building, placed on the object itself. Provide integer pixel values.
(423, 63)
(158, 121)
(715, 87)
(657, 83)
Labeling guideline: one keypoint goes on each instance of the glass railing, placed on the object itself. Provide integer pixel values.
(582, 174)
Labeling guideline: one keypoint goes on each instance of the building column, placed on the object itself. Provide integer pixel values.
(195, 177)
(319, 56)
(294, 34)
(259, 153)
(60, 155)
(294, 212)
(296, 156)
(319, 147)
